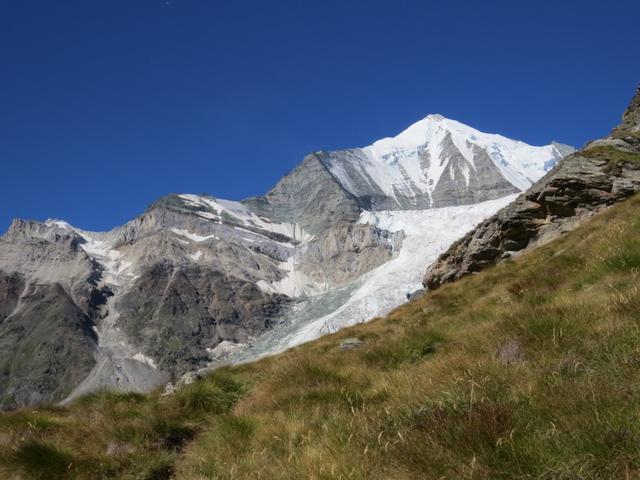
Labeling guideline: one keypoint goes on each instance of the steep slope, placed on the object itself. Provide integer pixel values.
(604, 172)
(194, 276)
(520, 372)
(187, 277)
(49, 299)
(308, 196)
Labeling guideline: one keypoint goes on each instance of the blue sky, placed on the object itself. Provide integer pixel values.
(107, 105)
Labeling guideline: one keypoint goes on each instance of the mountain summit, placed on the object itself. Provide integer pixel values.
(438, 162)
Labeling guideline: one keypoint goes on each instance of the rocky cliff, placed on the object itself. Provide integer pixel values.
(604, 172)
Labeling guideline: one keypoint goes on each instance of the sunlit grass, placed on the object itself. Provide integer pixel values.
(429, 394)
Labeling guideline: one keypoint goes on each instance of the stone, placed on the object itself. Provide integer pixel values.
(350, 343)
(416, 294)
(510, 353)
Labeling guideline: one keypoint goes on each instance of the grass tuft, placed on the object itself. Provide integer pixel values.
(612, 155)
(40, 460)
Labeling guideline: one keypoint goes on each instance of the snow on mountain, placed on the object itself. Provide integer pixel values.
(432, 183)
(116, 269)
(427, 233)
(217, 208)
(295, 284)
(414, 163)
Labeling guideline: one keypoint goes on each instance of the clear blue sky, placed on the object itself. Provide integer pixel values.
(106, 105)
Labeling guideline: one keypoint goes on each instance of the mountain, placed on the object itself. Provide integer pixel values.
(604, 172)
(438, 162)
(522, 371)
(196, 280)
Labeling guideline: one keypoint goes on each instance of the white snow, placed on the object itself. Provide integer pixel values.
(193, 236)
(60, 223)
(428, 233)
(196, 256)
(295, 284)
(412, 162)
(111, 260)
(243, 216)
(116, 270)
(141, 357)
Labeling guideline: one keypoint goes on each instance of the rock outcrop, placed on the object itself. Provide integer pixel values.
(604, 172)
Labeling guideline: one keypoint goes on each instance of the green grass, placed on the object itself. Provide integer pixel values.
(622, 133)
(612, 155)
(40, 460)
(427, 395)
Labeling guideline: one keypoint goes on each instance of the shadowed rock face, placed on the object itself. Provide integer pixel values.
(175, 313)
(48, 299)
(11, 288)
(485, 182)
(603, 173)
(46, 346)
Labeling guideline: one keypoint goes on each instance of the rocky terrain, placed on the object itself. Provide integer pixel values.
(604, 172)
(342, 238)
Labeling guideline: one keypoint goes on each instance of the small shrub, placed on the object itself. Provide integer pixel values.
(163, 471)
(172, 435)
(112, 397)
(409, 348)
(40, 460)
(217, 394)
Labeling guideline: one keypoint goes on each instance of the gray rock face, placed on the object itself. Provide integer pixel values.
(47, 347)
(161, 295)
(308, 196)
(48, 300)
(350, 343)
(630, 126)
(486, 182)
(347, 251)
(605, 172)
(177, 313)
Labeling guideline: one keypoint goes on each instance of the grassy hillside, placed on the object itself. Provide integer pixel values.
(528, 370)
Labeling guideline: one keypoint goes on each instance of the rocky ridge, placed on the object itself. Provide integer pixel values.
(604, 172)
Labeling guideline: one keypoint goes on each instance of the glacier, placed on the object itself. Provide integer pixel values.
(427, 233)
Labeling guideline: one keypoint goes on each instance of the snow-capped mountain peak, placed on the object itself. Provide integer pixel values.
(439, 162)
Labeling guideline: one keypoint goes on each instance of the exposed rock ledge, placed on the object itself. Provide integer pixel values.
(603, 173)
